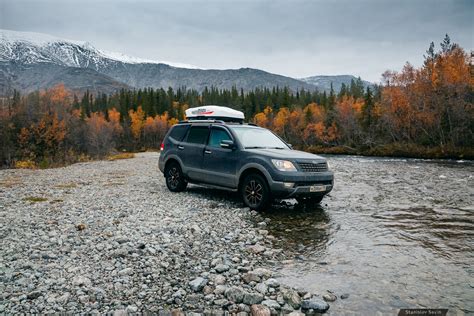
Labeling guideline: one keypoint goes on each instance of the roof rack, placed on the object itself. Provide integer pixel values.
(202, 121)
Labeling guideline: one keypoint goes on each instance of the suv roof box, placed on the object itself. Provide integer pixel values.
(214, 112)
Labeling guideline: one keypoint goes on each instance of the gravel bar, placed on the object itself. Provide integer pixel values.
(108, 237)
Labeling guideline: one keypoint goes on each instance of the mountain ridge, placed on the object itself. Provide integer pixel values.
(24, 54)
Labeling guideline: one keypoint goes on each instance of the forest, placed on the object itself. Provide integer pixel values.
(415, 112)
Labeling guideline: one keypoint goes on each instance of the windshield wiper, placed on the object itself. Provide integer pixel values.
(275, 147)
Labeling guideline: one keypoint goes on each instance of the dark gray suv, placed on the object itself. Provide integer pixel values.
(244, 158)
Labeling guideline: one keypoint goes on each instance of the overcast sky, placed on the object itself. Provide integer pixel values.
(295, 38)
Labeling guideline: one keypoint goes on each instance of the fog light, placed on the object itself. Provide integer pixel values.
(288, 185)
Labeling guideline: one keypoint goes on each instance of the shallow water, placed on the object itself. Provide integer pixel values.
(394, 233)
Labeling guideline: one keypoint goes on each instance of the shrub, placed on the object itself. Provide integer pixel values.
(25, 164)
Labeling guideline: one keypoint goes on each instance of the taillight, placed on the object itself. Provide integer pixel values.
(162, 146)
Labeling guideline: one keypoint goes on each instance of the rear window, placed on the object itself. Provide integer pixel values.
(178, 132)
(198, 134)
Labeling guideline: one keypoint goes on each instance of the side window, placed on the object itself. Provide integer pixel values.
(178, 132)
(198, 134)
(217, 136)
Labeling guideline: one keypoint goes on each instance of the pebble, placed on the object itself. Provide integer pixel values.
(197, 284)
(329, 297)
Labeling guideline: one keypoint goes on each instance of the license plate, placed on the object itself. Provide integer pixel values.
(317, 188)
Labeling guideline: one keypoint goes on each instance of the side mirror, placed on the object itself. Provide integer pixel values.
(229, 144)
(289, 145)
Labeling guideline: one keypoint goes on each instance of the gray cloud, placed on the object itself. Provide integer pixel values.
(296, 38)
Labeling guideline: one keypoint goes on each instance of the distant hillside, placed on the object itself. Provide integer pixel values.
(28, 78)
(323, 83)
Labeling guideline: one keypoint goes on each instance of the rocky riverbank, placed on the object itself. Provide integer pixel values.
(104, 237)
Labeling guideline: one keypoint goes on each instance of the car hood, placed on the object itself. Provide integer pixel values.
(288, 154)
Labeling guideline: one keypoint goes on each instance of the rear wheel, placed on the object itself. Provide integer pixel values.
(255, 192)
(175, 180)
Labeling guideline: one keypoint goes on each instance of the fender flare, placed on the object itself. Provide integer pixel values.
(254, 165)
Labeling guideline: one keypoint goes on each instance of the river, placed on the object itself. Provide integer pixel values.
(394, 233)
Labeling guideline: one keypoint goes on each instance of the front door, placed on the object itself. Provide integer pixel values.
(220, 164)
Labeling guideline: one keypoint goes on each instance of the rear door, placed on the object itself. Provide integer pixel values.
(192, 149)
(220, 164)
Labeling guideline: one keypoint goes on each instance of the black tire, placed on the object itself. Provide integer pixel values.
(174, 176)
(310, 200)
(255, 192)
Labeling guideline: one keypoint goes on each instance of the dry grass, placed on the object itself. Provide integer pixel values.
(35, 199)
(121, 156)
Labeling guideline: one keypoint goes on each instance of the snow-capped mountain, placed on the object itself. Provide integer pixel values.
(32, 48)
(31, 61)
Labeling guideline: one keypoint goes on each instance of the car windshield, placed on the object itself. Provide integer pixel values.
(251, 137)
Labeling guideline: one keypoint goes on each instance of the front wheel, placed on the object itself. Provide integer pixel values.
(255, 192)
(175, 180)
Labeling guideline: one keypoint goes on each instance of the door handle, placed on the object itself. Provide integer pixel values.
(180, 147)
(207, 152)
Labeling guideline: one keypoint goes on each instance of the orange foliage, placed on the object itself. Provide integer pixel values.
(137, 122)
(114, 119)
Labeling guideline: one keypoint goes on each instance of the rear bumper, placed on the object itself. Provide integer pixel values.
(300, 185)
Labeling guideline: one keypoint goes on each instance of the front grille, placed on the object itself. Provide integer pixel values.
(313, 167)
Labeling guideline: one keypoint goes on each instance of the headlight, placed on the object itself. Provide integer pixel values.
(283, 165)
(327, 164)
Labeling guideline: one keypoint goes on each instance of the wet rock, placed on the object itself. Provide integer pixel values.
(316, 304)
(292, 298)
(259, 310)
(197, 284)
(344, 296)
(329, 297)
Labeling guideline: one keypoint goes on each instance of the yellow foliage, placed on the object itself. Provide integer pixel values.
(25, 164)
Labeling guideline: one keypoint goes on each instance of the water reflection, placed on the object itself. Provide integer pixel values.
(302, 230)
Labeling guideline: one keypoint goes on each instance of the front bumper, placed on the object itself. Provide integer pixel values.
(302, 184)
